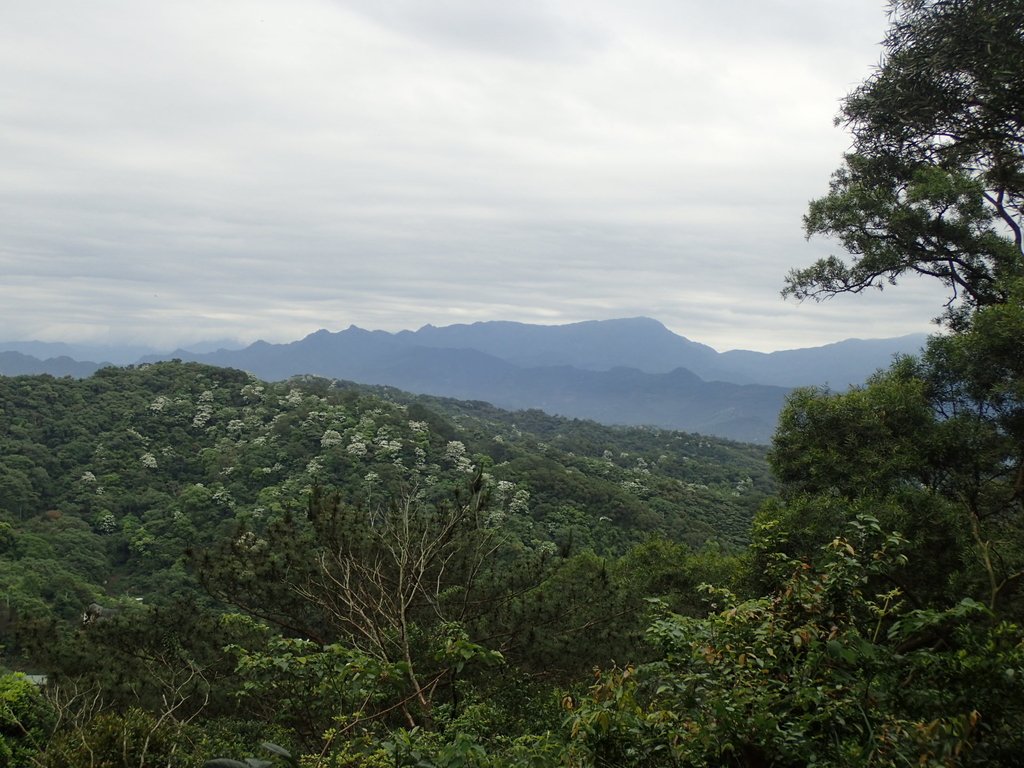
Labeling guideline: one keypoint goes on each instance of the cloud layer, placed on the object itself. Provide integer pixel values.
(175, 171)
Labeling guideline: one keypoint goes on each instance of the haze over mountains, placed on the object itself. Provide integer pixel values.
(628, 371)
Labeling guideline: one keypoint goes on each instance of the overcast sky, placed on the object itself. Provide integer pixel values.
(184, 170)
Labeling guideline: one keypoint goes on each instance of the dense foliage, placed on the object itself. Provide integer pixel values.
(141, 506)
(332, 576)
(934, 185)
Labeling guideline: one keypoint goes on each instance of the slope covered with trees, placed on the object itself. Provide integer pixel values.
(388, 620)
(199, 490)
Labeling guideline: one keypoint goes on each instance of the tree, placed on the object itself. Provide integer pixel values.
(383, 579)
(934, 186)
(394, 582)
(25, 720)
(823, 671)
(935, 182)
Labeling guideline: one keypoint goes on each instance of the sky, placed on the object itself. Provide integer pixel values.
(221, 169)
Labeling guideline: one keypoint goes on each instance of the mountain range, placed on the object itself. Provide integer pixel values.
(627, 371)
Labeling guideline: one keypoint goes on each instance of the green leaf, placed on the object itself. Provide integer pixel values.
(277, 750)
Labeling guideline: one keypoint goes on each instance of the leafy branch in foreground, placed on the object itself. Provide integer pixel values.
(935, 182)
(825, 671)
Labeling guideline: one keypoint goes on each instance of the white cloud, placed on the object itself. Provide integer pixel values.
(263, 169)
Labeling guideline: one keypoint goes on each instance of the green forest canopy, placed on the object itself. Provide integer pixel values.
(362, 579)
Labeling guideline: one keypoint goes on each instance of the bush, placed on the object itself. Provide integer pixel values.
(25, 720)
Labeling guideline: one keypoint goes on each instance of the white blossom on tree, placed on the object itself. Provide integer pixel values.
(253, 392)
(421, 458)
(520, 504)
(106, 522)
(203, 413)
(503, 490)
(159, 404)
(331, 438)
(455, 452)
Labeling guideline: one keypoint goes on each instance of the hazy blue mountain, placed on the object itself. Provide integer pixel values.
(116, 354)
(649, 346)
(111, 353)
(597, 345)
(353, 354)
(201, 347)
(837, 365)
(19, 364)
(675, 400)
(628, 371)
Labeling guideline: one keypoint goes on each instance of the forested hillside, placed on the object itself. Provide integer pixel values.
(171, 492)
(128, 469)
(216, 571)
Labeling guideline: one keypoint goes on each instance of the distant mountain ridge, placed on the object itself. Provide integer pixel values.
(629, 371)
(109, 354)
(647, 345)
(19, 364)
(596, 345)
